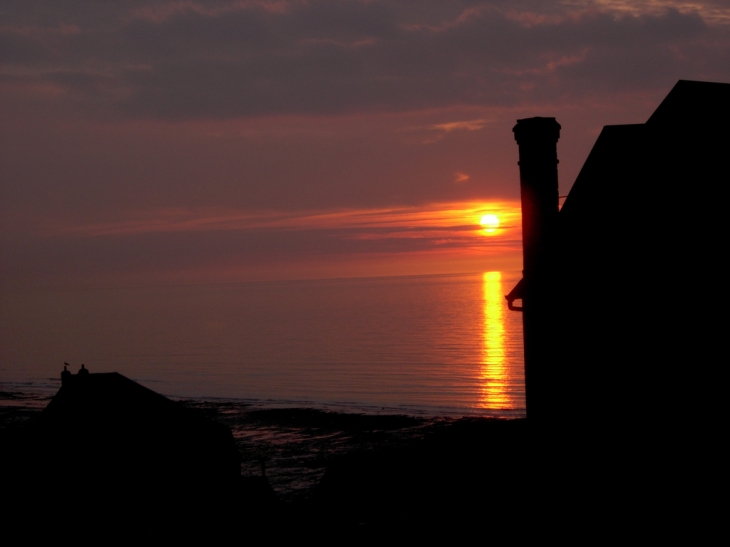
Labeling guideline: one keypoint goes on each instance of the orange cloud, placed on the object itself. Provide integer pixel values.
(227, 245)
(414, 220)
(468, 125)
(711, 12)
(460, 177)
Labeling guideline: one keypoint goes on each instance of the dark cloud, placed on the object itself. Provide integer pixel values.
(180, 60)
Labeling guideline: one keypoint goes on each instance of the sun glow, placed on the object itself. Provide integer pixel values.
(490, 223)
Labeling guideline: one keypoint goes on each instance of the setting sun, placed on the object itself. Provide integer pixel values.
(489, 223)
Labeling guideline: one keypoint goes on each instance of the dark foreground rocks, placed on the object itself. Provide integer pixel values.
(110, 459)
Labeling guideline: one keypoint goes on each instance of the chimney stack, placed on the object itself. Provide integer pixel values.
(537, 140)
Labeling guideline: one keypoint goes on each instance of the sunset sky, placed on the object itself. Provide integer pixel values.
(218, 141)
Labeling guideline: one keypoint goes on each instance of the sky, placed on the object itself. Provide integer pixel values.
(179, 142)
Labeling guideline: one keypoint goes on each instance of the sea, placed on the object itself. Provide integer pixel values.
(301, 371)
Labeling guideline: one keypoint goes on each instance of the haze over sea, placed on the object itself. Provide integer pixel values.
(422, 345)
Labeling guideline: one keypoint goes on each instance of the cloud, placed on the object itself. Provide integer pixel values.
(177, 241)
(712, 11)
(436, 132)
(218, 59)
(460, 177)
(426, 218)
(238, 107)
(470, 125)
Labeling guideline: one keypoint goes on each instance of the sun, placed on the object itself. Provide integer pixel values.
(490, 223)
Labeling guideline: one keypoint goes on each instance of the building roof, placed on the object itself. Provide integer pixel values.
(115, 427)
(636, 174)
(110, 397)
(691, 102)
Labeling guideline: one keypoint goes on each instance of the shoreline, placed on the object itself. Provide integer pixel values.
(297, 443)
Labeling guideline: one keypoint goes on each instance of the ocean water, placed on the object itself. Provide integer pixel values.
(423, 345)
(300, 371)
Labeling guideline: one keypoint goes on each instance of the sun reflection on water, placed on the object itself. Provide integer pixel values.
(494, 371)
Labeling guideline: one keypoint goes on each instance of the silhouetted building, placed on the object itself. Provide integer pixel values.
(106, 446)
(634, 305)
(637, 235)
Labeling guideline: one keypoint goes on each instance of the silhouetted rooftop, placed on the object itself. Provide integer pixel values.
(692, 103)
(109, 396)
(136, 438)
(634, 180)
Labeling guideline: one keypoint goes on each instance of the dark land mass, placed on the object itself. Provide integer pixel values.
(141, 463)
(114, 451)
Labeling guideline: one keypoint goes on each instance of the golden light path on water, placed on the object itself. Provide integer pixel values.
(495, 394)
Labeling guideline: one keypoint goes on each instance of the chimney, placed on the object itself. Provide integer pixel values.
(537, 140)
